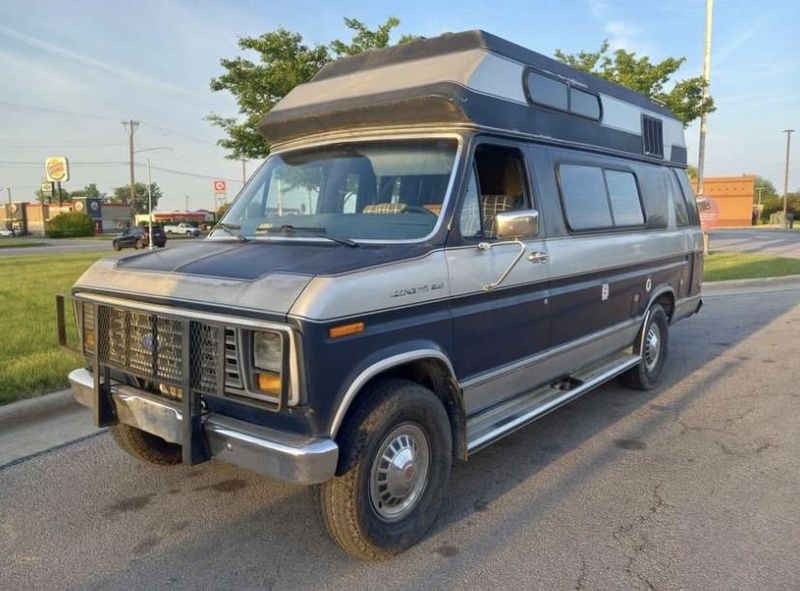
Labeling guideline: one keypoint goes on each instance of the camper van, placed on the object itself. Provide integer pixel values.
(449, 240)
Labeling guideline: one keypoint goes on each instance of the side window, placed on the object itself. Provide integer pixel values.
(470, 220)
(688, 195)
(596, 198)
(675, 193)
(584, 196)
(624, 197)
(497, 185)
(548, 91)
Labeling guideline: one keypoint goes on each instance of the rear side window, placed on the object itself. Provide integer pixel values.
(623, 195)
(584, 194)
(595, 198)
(675, 193)
(548, 91)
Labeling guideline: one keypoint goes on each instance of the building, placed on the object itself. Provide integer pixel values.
(734, 196)
(32, 218)
(175, 217)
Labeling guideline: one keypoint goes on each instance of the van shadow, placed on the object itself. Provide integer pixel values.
(282, 544)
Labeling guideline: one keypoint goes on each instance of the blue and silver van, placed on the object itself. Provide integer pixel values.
(450, 239)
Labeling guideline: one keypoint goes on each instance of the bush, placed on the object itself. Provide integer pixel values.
(71, 224)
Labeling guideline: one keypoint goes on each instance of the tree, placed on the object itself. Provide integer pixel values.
(121, 195)
(90, 191)
(684, 99)
(284, 61)
(767, 188)
(42, 198)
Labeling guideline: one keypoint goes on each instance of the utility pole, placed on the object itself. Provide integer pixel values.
(130, 127)
(788, 133)
(707, 79)
(244, 172)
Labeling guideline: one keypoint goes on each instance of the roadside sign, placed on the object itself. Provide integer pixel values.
(220, 187)
(709, 213)
(56, 169)
(46, 188)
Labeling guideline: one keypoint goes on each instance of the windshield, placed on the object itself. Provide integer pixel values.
(389, 190)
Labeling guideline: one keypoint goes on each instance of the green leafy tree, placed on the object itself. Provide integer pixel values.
(90, 191)
(122, 194)
(47, 198)
(767, 188)
(684, 98)
(70, 224)
(284, 61)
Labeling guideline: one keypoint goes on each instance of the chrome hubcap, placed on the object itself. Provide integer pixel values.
(652, 347)
(399, 472)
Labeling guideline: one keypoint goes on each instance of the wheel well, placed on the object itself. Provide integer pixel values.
(434, 375)
(667, 301)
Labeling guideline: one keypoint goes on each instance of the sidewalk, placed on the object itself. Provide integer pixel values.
(30, 427)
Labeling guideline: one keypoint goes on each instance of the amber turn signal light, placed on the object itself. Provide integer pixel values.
(344, 330)
(269, 383)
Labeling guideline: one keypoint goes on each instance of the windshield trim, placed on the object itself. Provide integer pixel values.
(366, 139)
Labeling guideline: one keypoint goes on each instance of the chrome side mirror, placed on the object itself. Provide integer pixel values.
(522, 223)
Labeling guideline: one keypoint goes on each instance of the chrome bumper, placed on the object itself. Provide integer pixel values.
(290, 457)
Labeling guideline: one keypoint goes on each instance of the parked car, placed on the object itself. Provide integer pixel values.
(139, 237)
(182, 228)
(450, 239)
(6, 232)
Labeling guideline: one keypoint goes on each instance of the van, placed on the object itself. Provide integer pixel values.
(450, 239)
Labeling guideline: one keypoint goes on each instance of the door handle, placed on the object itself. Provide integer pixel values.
(538, 257)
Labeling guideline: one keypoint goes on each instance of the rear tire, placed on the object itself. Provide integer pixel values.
(145, 446)
(138, 244)
(394, 466)
(116, 246)
(653, 349)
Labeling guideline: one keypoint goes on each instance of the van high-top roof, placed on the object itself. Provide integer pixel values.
(475, 79)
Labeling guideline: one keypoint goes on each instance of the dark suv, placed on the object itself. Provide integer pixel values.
(139, 238)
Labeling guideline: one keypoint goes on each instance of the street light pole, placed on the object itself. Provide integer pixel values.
(788, 133)
(149, 207)
(701, 158)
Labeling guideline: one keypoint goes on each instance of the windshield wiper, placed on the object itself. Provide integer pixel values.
(233, 230)
(289, 229)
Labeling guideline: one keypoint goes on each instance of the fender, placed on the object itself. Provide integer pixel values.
(381, 361)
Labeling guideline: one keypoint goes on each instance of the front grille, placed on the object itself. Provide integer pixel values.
(152, 347)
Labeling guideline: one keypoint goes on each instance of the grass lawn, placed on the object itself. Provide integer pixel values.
(19, 242)
(721, 266)
(31, 363)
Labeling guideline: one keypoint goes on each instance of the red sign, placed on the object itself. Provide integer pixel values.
(220, 186)
(709, 212)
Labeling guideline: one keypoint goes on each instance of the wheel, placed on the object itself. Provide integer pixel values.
(138, 244)
(116, 246)
(654, 349)
(145, 446)
(394, 465)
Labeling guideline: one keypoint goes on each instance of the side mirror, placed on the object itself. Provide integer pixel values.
(522, 223)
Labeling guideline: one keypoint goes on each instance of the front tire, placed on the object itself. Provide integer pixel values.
(146, 447)
(396, 451)
(653, 348)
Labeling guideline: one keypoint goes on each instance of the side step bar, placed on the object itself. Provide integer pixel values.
(503, 419)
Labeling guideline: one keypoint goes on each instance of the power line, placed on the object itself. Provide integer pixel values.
(57, 145)
(55, 111)
(178, 133)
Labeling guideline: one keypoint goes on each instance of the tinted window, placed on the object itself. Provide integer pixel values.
(584, 103)
(547, 91)
(624, 197)
(676, 195)
(584, 195)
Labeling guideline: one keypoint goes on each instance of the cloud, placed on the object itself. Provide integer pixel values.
(75, 57)
(598, 8)
(624, 35)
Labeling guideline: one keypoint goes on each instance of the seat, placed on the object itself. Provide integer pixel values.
(491, 205)
(384, 208)
(507, 181)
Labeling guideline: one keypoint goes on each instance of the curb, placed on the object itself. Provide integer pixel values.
(719, 287)
(11, 415)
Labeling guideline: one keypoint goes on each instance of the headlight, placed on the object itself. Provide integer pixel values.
(268, 351)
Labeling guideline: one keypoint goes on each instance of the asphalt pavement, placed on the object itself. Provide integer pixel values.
(693, 485)
(785, 243)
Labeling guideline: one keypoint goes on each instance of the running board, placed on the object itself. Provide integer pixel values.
(503, 419)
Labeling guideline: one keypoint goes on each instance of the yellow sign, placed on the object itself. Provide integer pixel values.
(57, 169)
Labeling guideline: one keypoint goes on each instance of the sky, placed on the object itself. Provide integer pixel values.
(70, 73)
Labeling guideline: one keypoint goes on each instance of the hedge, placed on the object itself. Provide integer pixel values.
(68, 225)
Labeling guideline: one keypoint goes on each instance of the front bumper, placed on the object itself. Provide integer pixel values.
(290, 457)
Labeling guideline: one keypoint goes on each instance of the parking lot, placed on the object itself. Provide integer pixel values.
(692, 485)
